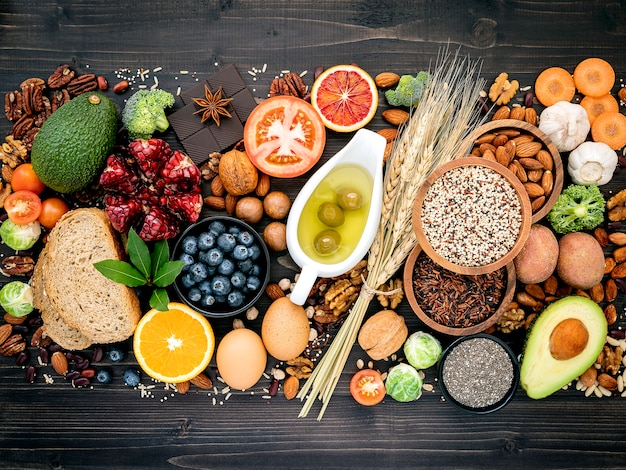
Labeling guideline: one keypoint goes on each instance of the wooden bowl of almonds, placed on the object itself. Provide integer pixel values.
(525, 150)
(472, 216)
(456, 304)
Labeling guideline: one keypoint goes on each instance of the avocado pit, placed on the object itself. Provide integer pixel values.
(568, 339)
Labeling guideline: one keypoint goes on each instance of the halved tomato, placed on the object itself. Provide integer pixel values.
(23, 207)
(284, 136)
(367, 387)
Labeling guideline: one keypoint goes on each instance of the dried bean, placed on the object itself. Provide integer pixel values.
(55, 347)
(97, 355)
(72, 375)
(22, 358)
(31, 374)
(44, 355)
(103, 84)
(23, 329)
(528, 99)
(89, 372)
(121, 87)
(81, 382)
(617, 334)
(273, 390)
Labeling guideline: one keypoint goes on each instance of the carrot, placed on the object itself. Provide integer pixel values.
(596, 106)
(594, 77)
(610, 128)
(554, 84)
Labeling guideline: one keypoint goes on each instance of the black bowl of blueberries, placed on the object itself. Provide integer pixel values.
(226, 266)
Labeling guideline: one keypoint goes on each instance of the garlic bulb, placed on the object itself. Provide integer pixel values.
(567, 125)
(592, 163)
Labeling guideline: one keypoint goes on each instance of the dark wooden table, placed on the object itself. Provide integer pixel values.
(56, 426)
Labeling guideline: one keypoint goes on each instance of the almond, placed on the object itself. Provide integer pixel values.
(533, 189)
(530, 116)
(588, 378)
(489, 155)
(610, 290)
(263, 186)
(5, 332)
(502, 113)
(517, 112)
(502, 156)
(183, 387)
(547, 182)
(535, 175)
(202, 381)
(387, 153)
(485, 139)
(528, 149)
(290, 387)
(230, 202)
(528, 162)
(274, 291)
(389, 133)
(387, 79)
(537, 203)
(215, 202)
(544, 157)
(523, 138)
(510, 133)
(606, 381)
(499, 140)
(217, 187)
(618, 238)
(59, 363)
(397, 117)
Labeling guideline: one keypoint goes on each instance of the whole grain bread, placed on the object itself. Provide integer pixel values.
(53, 325)
(102, 310)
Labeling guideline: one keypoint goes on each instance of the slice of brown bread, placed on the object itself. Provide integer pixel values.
(103, 310)
(53, 325)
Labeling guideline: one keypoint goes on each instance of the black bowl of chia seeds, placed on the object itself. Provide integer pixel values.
(478, 373)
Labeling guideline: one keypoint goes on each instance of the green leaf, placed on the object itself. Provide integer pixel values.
(159, 299)
(160, 256)
(168, 273)
(139, 253)
(122, 272)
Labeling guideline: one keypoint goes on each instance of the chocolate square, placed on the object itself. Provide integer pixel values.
(244, 103)
(200, 145)
(229, 132)
(196, 91)
(229, 79)
(184, 122)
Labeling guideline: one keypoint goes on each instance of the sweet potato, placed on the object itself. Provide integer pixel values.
(537, 259)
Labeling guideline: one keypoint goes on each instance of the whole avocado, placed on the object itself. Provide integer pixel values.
(71, 148)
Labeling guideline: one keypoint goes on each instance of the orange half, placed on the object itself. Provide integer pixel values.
(175, 345)
(346, 97)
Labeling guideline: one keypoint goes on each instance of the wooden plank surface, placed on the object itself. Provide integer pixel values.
(56, 426)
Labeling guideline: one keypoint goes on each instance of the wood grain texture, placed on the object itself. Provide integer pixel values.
(56, 426)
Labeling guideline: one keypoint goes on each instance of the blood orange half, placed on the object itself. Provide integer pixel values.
(346, 97)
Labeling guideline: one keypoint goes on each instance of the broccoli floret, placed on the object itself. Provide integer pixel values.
(409, 90)
(144, 113)
(577, 208)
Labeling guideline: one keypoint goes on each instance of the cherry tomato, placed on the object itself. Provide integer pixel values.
(367, 387)
(24, 177)
(284, 136)
(51, 211)
(23, 207)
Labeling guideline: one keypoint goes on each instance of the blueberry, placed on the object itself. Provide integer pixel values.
(221, 285)
(213, 257)
(238, 279)
(217, 227)
(208, 300)
(103, 376)
(206, 241)
(187, 259)
(190, 245)
(226, 267)
(187, 280)
(253, 283)
(205, 287)
(234, 230)
(198, 272)
(116, 354)
(226, 242)
(246, 266)
(254, 252)
(194, 294)
(256, 270)
(131, 377)
(245, 238)
(240, 252)
(220, 299)
(235, 298)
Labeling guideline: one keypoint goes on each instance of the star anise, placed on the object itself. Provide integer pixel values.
(213, 105)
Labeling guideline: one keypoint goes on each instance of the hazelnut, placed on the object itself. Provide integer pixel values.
(249, 209)
(275, 236)
(277, 205)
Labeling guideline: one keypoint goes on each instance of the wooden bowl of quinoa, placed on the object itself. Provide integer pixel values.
(472, 216)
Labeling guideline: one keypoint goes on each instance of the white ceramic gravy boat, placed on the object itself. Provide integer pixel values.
(365, 149)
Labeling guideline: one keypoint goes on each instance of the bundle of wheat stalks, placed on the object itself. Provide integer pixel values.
(446, 113)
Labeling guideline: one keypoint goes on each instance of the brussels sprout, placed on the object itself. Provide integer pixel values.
(20, 237)
(404, 383)
(17, 298)
(422, 350)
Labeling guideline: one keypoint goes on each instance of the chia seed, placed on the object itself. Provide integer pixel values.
(478, 373)
(471, 216)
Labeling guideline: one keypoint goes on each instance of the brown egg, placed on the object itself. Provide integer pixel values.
(285, 329)
(241, 358)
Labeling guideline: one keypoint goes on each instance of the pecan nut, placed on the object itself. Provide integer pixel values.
(59, 98)
(82, 84)
(32, 99)
(22, 126)
(14, 344)
(13, 105)
(17, 265)
(61, 76)
(291, 84)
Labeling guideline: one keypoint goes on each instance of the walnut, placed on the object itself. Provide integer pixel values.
(300, 367)
(13, 152)
(502, 90)
(210, 168)
(511, 320)
(610, 359)
(5, 190)
(391, 300)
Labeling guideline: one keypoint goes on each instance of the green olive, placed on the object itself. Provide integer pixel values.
(330, 214)
(327, 242)
(350, 199)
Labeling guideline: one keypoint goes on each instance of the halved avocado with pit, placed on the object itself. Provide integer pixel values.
(565, 339)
